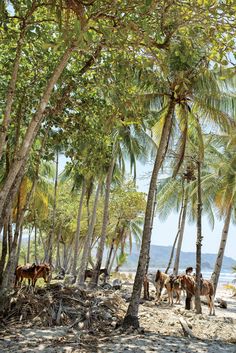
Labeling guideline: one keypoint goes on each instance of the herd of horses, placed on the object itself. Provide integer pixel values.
(174, 285)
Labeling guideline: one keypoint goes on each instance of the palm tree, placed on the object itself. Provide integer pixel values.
(222, 176)
(189, 92)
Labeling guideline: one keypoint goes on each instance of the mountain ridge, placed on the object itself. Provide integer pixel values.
(159, 258)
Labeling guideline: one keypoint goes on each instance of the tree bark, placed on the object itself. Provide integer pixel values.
(4, 250)
(19, 246)
(28, 247)
(220, 256)
(131, 318)
(101, 245)
(77, 234)
(88, 241)
(198, 306)
(113, 259)
(52, 230)
(110, 253)
(181, 233)
(32, 131)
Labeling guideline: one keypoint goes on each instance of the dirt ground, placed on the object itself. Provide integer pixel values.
(161, 330)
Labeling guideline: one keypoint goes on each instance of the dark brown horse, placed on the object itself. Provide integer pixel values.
(89, 273)
(206, 289)
(32, 273)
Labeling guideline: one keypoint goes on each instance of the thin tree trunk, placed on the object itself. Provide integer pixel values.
(151, 226)
(88, 241)
(10, 237)
(4, 250)
(58, 258)
(11, 92)
(77, 234)
(52, 230)
(131, 318)
(110, 253)
(35, 241)
(28, 247)
(19, 246)
(176, 237)
(101, 244)
(113, 259)
(220, 256)
(198, 306)
(32, 130)
(181, 233)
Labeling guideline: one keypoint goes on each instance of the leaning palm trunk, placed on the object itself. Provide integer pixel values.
(19, 246)
(112, 260)
(218, 264)
(198, 306)
(181, 233)
(88, 241)
(77, 235)
(131, 318)
(101, 244)
(32, 131)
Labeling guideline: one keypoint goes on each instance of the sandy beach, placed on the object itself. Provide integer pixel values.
(161, 330)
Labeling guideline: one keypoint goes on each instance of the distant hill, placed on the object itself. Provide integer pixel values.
(159, 257)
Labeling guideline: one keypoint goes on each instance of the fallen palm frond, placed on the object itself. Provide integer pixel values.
(231, 287)
(58, 305)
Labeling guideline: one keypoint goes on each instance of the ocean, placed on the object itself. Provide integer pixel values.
(226, 276)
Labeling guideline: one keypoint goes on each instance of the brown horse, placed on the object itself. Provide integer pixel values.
(89, 273)
(207, 290)
(32, 272)
(171, 283)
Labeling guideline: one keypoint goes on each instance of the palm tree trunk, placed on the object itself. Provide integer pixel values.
(10, 237)
(198, 306)
(4, 250)
(220, 256)
(19, 246)
(88, 241)
(28, 247)
(181, 233)
(35, 242)
(101, 244)
(77, 234)
(52, 230)
(58, 258)
(131, 318)
(32, 130)
(110, 253)
(113, 259)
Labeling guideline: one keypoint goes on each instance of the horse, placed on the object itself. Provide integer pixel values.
(32, 272)
(171, 283)
(206, 289)
(42, 271)
(89, 273)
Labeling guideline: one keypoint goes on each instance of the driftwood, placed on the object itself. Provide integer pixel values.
(219, 302)
(186, 329)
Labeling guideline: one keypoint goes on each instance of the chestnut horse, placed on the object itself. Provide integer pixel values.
(171, 283)
(32, 272)
(207, 290)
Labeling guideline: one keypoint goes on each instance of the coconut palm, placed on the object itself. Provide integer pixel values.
(189, 93)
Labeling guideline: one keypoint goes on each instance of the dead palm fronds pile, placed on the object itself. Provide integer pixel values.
(70, 306)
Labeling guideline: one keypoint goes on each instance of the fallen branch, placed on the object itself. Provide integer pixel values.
(186, 329)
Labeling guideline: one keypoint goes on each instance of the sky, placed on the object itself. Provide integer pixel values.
(164, 232)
